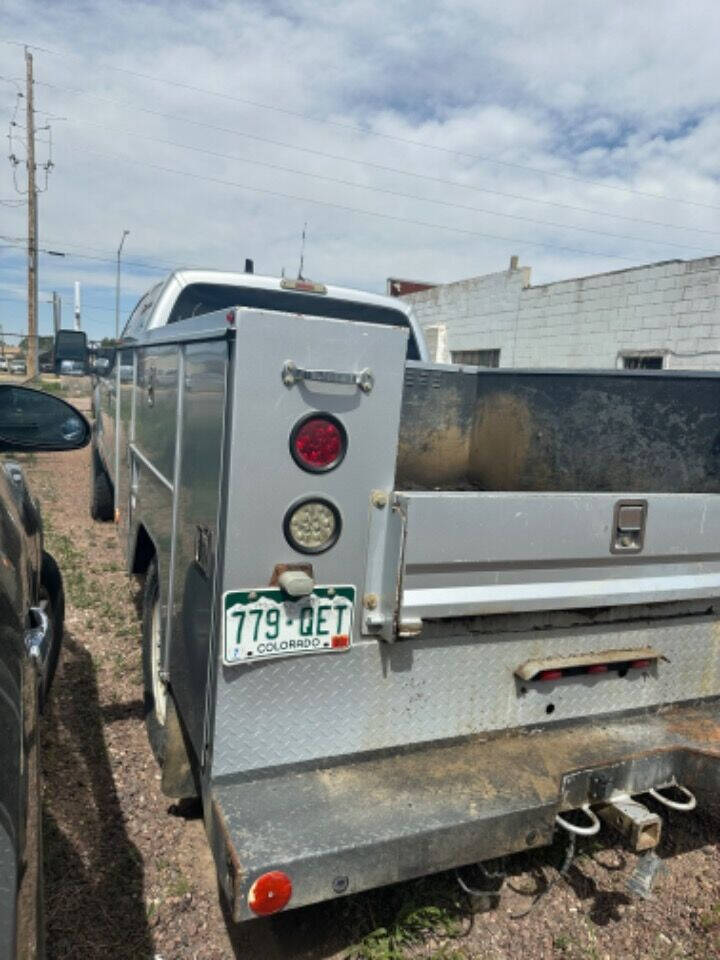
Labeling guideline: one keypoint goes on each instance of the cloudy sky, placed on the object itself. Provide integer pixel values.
(421, 140)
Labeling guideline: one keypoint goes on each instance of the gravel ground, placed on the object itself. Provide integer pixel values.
(129, 874)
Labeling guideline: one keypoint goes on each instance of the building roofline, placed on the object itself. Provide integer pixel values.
(611, 273)
(576, 279)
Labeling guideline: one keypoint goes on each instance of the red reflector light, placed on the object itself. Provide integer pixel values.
(549, 675)
(306, 286)
(340, 640)
(318, 443)
(598, 668)
(640, 664)
(270, 893)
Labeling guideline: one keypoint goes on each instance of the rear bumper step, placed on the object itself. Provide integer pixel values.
(367, 823)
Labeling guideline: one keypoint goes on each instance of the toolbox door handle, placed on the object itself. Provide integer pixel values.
(629, 522)
(292, 374)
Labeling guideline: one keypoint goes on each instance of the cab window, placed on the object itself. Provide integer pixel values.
(138, 319)
(200, 298)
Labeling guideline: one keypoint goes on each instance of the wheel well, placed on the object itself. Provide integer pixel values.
(144, 551)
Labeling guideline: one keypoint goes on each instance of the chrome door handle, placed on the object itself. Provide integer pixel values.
(292, 374)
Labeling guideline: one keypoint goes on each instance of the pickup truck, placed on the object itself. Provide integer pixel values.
(402, 617)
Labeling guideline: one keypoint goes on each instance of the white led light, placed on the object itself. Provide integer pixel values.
(312, 526)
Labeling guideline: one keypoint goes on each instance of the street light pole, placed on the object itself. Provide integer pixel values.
(117, 379)
(117, 286)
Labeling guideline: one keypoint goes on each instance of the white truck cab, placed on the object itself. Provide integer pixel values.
(192, 293)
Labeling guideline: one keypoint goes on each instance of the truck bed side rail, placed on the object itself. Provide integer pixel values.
(479, 553)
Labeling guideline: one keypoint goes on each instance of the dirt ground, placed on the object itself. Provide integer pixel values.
(129, 874)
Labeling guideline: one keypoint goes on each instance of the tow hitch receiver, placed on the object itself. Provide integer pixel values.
(634, 821)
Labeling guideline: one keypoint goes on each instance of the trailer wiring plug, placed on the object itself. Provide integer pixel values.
(561, 875)
(492, 876)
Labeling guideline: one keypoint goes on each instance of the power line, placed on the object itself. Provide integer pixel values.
(77, 246)
(151, 262)
(371, 164)
(366, 132)
(17, 243)
(393, 193)
(14, 82)
(348, 209)
(89, 306)
(437, 226)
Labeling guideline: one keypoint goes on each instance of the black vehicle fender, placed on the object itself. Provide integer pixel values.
(51, 588)
(143, 550)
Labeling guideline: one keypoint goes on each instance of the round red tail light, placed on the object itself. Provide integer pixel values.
(318, 443)
(270, 893)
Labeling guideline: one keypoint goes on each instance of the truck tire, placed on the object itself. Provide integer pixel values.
(102, 498)
(155, 690)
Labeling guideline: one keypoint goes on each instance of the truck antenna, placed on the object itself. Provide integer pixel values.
(302, 252)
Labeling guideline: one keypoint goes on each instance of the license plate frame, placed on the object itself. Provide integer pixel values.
(249, 636)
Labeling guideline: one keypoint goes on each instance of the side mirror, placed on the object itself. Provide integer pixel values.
(70, 352)
(103, 364)
(33, 420)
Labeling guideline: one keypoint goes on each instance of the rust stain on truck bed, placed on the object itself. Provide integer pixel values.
(592, 431)
(501, 439)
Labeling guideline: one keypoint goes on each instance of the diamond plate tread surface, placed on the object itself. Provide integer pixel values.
(447, 804)
(379, 696)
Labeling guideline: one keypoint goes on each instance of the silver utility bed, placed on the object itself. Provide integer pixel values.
(491, 520)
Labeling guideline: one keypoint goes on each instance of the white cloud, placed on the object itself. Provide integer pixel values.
(620, 94)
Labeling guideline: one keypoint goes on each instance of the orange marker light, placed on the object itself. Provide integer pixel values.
(270, 893)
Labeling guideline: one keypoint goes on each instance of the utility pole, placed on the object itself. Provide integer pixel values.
(57, 311)
(32, 357)
(78, 324)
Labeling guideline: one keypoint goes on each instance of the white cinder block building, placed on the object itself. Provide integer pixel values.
(661, 315)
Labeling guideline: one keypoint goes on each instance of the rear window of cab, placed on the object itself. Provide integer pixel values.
(199, 298)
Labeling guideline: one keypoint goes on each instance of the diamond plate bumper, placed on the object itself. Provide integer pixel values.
(375, 821)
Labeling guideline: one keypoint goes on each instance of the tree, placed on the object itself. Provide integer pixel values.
(44, 343)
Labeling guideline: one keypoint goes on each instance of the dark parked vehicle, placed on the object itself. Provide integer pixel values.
(31, 626)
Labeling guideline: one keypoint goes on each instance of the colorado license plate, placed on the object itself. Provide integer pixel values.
(264, 623)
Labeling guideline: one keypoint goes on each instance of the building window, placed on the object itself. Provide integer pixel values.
(642, 361)
(476, 358)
